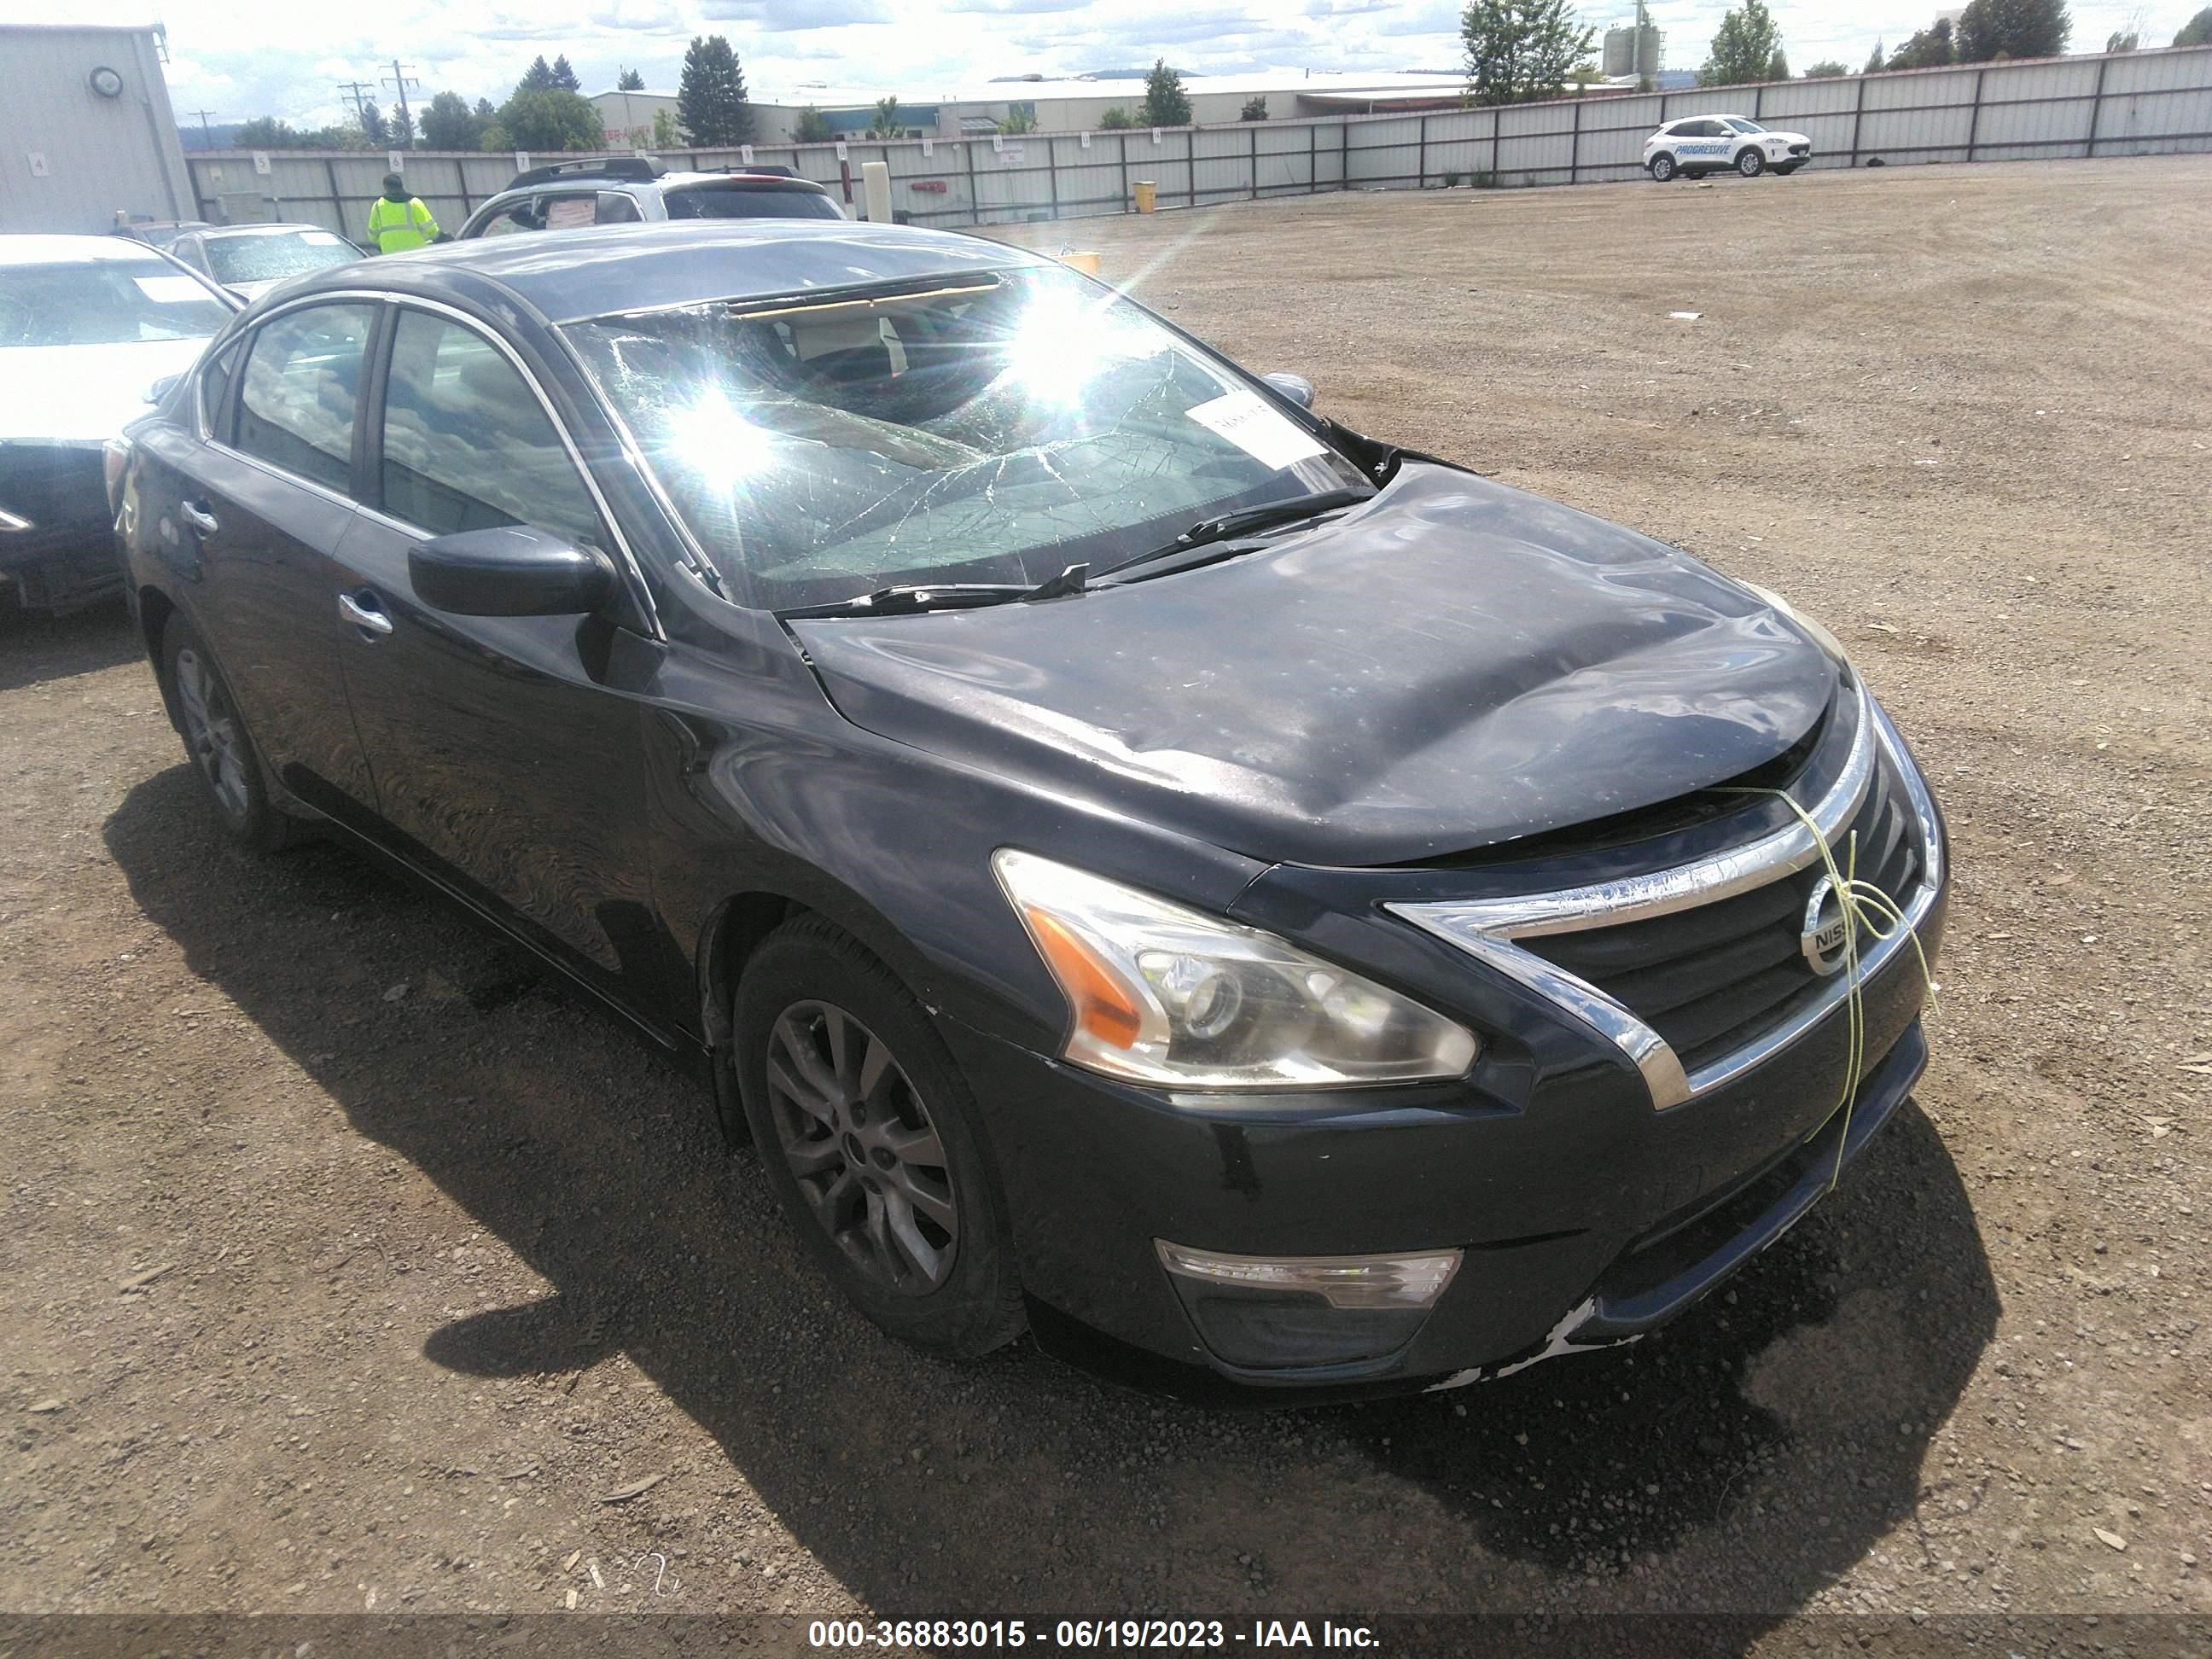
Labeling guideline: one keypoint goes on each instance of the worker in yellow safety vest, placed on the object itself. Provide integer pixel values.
(398, 222)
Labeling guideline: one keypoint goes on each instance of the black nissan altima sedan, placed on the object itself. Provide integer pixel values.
(1268, 909)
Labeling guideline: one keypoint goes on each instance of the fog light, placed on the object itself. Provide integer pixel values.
(1272, 1313)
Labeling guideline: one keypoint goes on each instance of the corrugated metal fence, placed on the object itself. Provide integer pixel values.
(2129, 104)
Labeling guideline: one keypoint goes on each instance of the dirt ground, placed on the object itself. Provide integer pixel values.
(347, 1264)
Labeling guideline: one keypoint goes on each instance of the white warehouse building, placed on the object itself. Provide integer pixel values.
(85, 130)
(1076, 104)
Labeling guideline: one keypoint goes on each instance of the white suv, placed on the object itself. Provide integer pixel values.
(1698, 144)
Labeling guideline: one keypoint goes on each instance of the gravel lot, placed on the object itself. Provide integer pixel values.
(349, 1264)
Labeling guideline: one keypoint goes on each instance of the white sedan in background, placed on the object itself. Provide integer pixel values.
(1698, 144)
(251, 259)
(88, 325)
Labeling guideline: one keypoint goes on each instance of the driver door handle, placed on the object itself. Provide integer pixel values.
(368, 617)
(200, 518)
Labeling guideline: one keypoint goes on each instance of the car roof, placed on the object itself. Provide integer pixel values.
(568, 275)
(43, 248)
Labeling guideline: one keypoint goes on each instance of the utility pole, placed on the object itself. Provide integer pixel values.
(204, 132)
(355, 93)
(399, 81)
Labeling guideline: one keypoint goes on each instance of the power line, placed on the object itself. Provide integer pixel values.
(354, 93)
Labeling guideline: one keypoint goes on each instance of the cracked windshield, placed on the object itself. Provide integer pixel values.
(998, 428)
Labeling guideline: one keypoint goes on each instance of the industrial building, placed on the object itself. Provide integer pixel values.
(1074, 104)
(86, 128)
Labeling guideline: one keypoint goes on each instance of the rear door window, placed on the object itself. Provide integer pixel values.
(215, 391)
(616, 209)
(302, 383)
(513, 219)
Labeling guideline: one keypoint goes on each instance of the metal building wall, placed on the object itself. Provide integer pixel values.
(2137, 103)
(98, 154)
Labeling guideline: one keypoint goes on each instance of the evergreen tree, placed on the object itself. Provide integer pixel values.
(629, 81)
(886, 124)
(538, 77)
(564, 78)
(1116, 119)
(373, 127)
(1875, 63)
(1744, 48)
(2197, 31)
(1777, 67)
(403, 129)
(1827, 70)
(1255, 109)
(813, 127)
(1166, 104)
(710, 99)
(548, 120)
(1520, 50)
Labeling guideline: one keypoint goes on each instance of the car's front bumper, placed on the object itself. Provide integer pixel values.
(57, 541)
(1585, 1217)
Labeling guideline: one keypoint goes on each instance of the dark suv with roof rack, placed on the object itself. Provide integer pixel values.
(1135, 855)
(630, 190)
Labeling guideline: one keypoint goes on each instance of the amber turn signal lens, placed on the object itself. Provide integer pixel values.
(1103, 1006)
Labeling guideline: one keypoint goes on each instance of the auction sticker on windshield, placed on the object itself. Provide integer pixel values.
(170, 291)
(1267, 435)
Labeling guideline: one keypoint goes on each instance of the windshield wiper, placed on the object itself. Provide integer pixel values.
(903, 598)
(1246, 521)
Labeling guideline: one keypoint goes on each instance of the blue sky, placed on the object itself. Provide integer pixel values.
(245, 57)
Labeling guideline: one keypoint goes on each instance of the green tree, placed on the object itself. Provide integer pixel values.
(448, 122)
(1876, 62)
(2197, 31)
(538, 77)
(1777, 67)
(1931, 48)
(711, 102)
(1990, 29)
(484, 112)
(1744, 47)
(813, 127)
(1255, 109)
(886, 123)
(267, 132)
(664, 135)
(2120, 40)
(1827, 70)
(1166, 104)
(1116, 119)
(1020, 117)
(629, 81)
(375, 130)
(1519, 50)
(564, 78)
(550, 120)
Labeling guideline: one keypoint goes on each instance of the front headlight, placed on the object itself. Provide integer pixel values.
(1163, 994)
(1821, 637)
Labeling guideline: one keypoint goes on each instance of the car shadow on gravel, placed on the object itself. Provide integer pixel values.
(1738, 1461)
(34, 648)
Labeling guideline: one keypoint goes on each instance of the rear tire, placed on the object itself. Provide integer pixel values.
(1752, 162)
(217, 744)
(1663, 169)
(871, 1138)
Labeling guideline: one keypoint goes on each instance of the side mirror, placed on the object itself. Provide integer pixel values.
(159, 392)
(512, 571)
(1299, 389)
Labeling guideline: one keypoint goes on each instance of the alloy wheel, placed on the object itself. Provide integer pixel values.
(212, 734)
(859, 1140)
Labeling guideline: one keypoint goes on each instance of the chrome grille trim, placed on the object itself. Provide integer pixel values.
(1487, 929)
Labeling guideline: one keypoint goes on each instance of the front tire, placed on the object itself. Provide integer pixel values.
(1663, 169)
(1752, 162)
(870, 1139)
(216, 742)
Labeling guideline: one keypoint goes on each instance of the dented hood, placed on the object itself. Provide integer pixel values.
(1451, 665)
